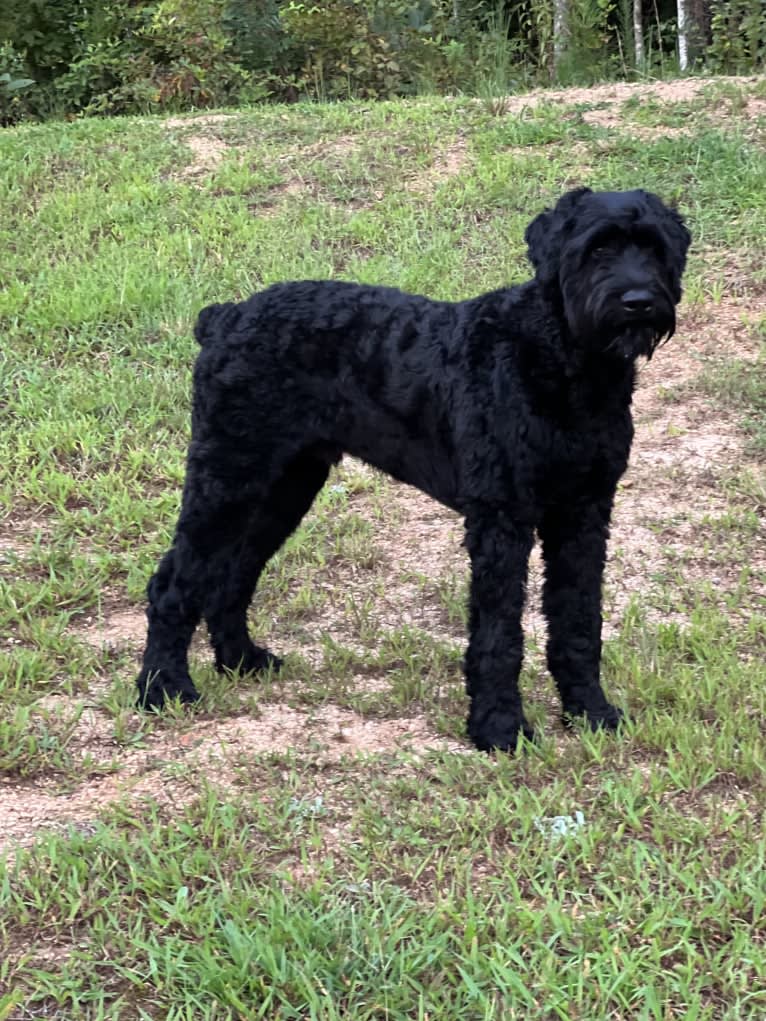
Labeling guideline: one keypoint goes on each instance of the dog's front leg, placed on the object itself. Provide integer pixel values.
(499, 549)
(574, 550)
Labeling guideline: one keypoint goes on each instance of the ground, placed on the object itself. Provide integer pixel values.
(347, 759)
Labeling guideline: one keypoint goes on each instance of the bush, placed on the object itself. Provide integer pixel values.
(124, 56)
(357, 47)
(738, 29)
(171, 54)
(13, 85)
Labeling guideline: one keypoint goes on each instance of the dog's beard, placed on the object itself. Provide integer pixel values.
(601, 321)
(636, 340)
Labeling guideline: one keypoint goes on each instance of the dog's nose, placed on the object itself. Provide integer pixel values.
(638, 302)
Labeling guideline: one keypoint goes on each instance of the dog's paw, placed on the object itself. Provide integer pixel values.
(156, 687)
(607, 717)
(253, 660)
(259, 660)
(499, 731)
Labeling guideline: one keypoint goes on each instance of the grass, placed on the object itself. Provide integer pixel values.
(741, 385)
(192, 874)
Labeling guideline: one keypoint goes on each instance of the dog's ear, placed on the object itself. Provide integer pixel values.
(672, 225)
(678, 233)
(543, 235)
(536, 236)
(215, 320)
(569, 200)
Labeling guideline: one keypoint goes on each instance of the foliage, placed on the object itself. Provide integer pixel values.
(124, 56)
(143, 55)
(495, 63)
(535, 23)
(45, 33)
(344, 55)
(590, 51)
(377, 48)
(738, 29)
(259, 41)
(13, 85)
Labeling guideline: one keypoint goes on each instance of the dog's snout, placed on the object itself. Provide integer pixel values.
(638, 302)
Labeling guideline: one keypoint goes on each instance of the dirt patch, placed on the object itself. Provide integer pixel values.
(447, 164)
(613, 119)
(280, 195)
(171, 768)
(299, 162)
(417, 547)
(115, 630)
(207, 153)
(295, 186)
(755, 108)
(324, 150)
(724, 330)
(207, 150)
(608, 100)
(670, 490)
(679, 91)
(19, 531)
(203, 120)
(429, 538)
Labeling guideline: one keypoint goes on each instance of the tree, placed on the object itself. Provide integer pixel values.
(638, 33)
(560, 33)
(683, 37)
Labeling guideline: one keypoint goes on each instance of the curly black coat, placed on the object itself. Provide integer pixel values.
(513, 408)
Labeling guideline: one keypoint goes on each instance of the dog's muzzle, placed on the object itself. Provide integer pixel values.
(631, 324)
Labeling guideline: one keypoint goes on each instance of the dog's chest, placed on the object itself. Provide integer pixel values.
(575, 434)
(579, 460)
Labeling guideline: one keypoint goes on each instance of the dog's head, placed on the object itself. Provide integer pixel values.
(614, 260)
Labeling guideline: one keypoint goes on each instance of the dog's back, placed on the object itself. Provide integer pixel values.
(374, 369)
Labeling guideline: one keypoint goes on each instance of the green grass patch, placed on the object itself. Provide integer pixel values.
(741, 385)
(435, 890)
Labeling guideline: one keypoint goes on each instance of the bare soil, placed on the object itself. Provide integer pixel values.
(679, 91)
(171, 767)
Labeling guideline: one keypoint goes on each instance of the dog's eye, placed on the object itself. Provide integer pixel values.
(600, 252)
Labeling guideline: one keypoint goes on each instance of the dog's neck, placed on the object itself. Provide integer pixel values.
(575, 377)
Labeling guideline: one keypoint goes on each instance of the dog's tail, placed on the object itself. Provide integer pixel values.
(215, 321)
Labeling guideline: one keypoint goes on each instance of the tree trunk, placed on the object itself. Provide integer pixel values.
(683, 39)
(638, 33)
(560, 32)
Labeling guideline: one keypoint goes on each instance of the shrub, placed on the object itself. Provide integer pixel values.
(738, 29)
(170, 54)
(13, 85)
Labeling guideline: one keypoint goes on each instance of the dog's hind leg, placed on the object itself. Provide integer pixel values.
(574, 552)
(499, 549)
(270, 523)
(225, 535)
(213, 518)
(172, 613)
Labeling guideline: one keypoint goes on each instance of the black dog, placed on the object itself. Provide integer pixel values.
(513, 408)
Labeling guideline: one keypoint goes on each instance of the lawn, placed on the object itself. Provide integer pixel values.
(325, 844)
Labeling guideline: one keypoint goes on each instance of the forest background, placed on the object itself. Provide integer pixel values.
(64, 58)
